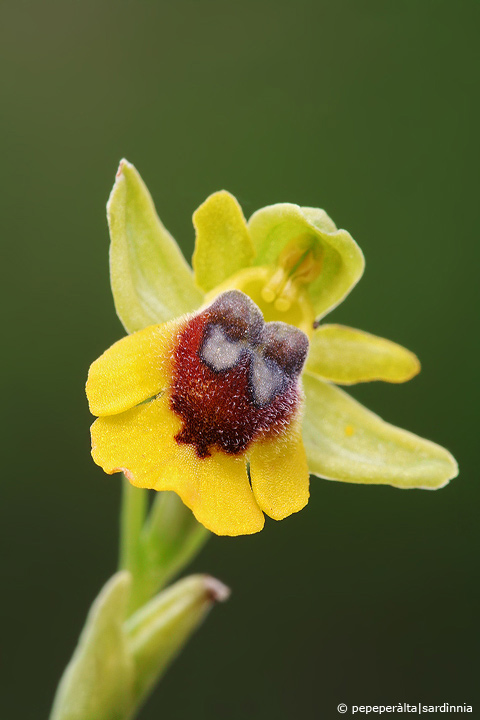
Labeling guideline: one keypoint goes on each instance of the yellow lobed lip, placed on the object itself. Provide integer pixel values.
(190, 429)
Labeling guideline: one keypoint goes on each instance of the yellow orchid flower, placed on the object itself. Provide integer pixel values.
(202, 402)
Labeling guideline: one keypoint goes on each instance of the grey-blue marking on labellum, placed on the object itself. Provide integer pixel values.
(276, 351)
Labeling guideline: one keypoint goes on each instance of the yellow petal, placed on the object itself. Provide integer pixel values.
(216, 489)
(345, 441)
(138, 442)
(223, 245)
(279, 473)
(344, 355)
(132, 370)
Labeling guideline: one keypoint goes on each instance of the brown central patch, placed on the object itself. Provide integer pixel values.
(222, 408)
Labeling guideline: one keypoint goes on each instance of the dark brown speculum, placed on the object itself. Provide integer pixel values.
(235, 376)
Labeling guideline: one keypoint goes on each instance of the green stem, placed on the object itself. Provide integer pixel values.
(155, 548)
(132, 518)
(172, 537)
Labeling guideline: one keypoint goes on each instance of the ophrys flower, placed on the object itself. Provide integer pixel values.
(209, 406)
(296, 265)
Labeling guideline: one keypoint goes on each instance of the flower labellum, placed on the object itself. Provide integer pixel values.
(208, 406)
(235, 376)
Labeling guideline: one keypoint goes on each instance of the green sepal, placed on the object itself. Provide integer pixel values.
(223, 245)
(345, 441)
(151, 280)
(98, 683)
(158, 631)
(272, 228)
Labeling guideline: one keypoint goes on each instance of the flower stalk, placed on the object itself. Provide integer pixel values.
(132, 517)
(155, 546)
(171, 538)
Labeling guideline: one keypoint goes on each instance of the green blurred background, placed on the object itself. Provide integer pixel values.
(368, 109)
